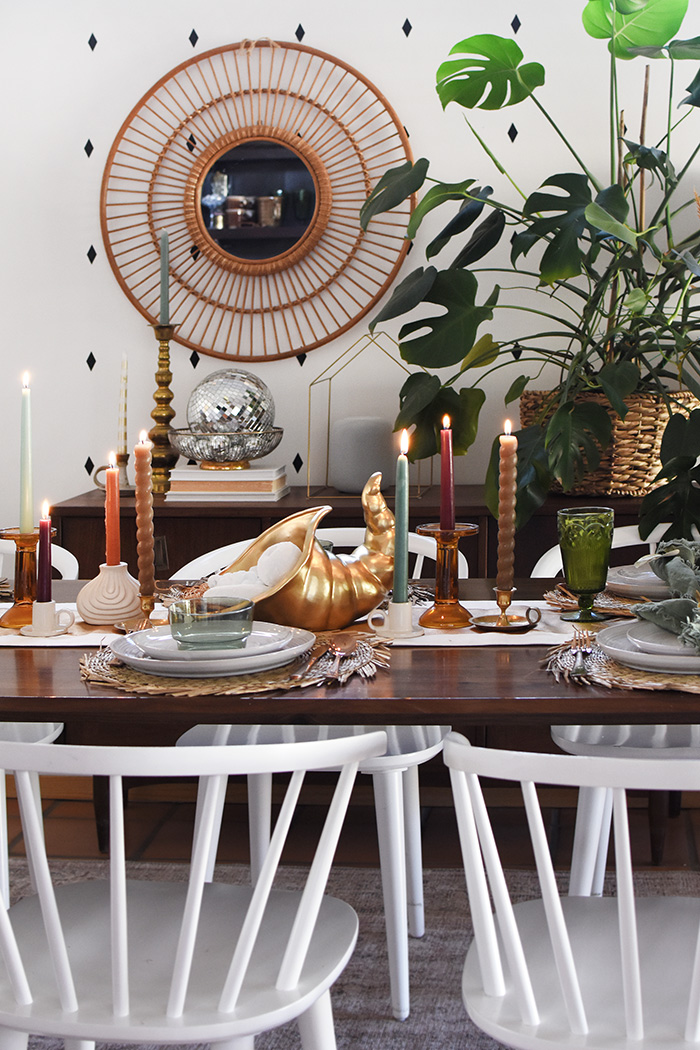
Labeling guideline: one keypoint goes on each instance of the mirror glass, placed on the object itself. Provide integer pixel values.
(258, 199)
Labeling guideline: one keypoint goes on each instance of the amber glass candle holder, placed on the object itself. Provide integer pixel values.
(20, 613)
(447, 613)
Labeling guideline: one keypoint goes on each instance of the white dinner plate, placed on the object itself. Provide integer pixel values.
(636, 581)
(133, 656)
(650, 638)
(263, 638)
(615, 643)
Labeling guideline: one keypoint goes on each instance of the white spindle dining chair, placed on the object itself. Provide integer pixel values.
(394, 776)
(65, 563)
(563, 971)
(123, 960)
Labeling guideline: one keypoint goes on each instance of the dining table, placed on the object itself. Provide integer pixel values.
(501, 683)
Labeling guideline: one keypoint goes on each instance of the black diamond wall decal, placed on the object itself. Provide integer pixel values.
(297, 462)
(92, 42)
(301, 358)
(91, 254)
(512, 133)
(193, 38)
(91, 361)
(299, 32)
(517, 351)
(407, 27)
(515, 24)
(191, 143)
(194, 358)
(194, 252)
(88, 147)
(89, 465)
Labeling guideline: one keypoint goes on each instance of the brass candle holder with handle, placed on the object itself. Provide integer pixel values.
(447, 613)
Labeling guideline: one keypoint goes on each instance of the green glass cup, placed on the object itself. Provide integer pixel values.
(585, 539)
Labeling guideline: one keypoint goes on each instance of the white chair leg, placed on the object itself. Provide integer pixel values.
(259, 820)
(388, 802)
(590, 814)
(414, 852)
(4, 842)
(11, 1040)
(603, 843)
(316, 1026)
(218, 819)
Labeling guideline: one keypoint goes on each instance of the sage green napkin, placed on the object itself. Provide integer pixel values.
(672, 614)
(680, 569)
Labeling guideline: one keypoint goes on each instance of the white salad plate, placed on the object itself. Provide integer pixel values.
(263, 638)
(131, 653)
(649, 638)
(616, 643)
(636, 581)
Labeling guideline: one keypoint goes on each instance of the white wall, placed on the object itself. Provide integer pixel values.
(57, 308)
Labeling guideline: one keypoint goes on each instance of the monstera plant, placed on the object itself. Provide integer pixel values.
(603, 266)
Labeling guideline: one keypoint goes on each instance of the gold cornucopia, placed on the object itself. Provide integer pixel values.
(326, 591)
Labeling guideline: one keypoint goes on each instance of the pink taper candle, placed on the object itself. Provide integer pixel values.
(507, 482)
(144, 514)
(447, 477)
(43, 579)
(112, 540)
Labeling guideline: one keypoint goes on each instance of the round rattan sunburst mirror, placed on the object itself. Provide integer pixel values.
(245, 286)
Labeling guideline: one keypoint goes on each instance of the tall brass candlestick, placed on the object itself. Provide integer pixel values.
(164, 456)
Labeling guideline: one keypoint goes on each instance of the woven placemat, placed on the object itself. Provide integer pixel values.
(369, 655)
(601, 670)
(606, 602)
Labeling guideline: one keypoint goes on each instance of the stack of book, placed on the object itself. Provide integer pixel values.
(253, 484)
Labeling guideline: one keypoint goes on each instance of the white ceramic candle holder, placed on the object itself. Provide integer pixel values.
(112, 596)
(48, 621)
(396, 622)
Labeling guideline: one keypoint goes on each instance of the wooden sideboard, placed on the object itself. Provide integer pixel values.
(186, 529)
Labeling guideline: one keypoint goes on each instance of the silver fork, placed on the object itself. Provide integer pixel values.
(582, 646)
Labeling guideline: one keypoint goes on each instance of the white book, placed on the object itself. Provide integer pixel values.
(228, 497)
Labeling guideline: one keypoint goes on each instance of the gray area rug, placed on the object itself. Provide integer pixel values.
(360, 996)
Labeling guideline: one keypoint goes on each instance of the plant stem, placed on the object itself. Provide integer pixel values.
(589, 174)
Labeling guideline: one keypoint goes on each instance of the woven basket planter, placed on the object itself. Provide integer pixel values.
(631, 461)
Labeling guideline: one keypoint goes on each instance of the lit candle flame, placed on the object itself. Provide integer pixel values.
(446, 422)
(507, 427)
(112, 459)
(25, 380)
(404, 442)
(143, 437)
(45, 509)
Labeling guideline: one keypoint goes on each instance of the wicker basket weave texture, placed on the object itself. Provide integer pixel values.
(631, 462)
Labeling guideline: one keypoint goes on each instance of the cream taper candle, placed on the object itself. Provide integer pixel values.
(144, 514)
(507, 483)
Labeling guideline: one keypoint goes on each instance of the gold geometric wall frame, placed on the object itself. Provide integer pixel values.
(321, 442)
(325, 113)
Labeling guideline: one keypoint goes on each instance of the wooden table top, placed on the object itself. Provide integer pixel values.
(496, 684)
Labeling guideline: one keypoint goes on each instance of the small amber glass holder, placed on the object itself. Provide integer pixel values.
(447, 613)
(20, 612)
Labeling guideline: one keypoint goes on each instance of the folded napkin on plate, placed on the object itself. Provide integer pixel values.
(682, 570)
(672, 614)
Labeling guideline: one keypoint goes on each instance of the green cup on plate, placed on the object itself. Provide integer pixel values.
(211, 623)
(585, 539)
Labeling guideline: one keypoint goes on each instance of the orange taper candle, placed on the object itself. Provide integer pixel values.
(507, 483)
(144, 514)
(112, 544)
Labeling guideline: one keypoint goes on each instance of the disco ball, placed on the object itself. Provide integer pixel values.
(230, 400)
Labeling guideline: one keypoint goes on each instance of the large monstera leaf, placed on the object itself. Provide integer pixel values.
(563, 228)
(451, 333)
(423, 404)
(488, 74)
(634, 23)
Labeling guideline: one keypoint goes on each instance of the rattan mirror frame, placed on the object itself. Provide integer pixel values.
(327, 113)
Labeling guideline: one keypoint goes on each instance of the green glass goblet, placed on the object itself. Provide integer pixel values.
(585, 539)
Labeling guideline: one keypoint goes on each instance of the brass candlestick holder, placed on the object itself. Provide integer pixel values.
(20, 612)
(163, 457)
(447, 613)
(505, 621)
